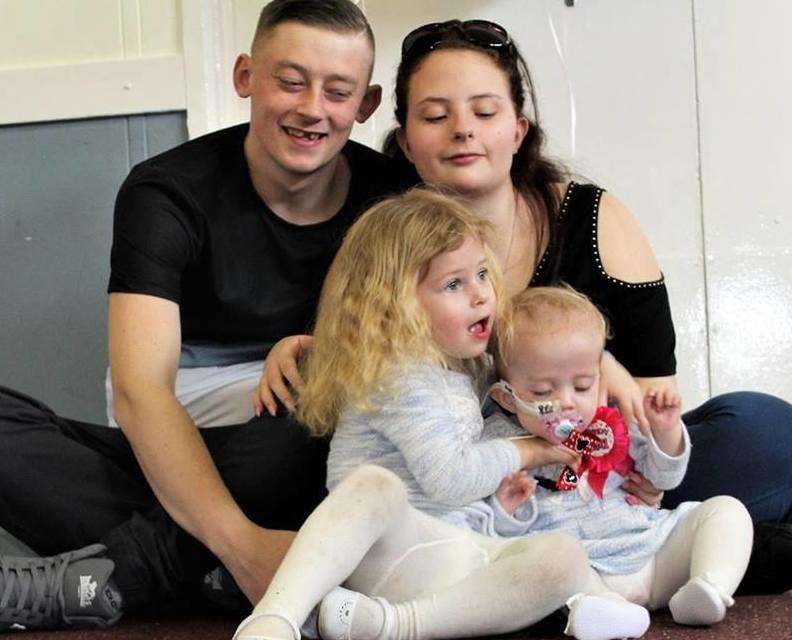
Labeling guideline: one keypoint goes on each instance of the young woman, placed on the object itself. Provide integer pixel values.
(468, 122)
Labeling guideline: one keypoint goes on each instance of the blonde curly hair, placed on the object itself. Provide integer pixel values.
(369, 319)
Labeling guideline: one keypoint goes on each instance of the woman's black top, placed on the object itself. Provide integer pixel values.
(639, 316)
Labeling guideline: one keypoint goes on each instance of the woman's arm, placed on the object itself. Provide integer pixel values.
(627, 256)
(625, 251)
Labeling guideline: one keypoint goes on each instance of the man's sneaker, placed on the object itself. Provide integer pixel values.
(11, 546)
(221, 590)
(72, 589)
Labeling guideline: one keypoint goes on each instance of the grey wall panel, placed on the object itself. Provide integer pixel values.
(58, 183)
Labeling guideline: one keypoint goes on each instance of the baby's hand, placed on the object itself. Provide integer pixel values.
(515, 489)
(662, 407)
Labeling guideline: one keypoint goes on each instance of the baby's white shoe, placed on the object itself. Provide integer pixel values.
(605, 618)
(258, 626)
(340, 607)
(699, 602)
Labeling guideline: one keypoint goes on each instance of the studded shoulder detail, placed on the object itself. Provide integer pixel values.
(598, 260)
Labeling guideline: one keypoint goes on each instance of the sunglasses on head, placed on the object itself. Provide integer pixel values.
(482, 33)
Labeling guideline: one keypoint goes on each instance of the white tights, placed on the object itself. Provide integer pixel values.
(459, 583)
(712, 540)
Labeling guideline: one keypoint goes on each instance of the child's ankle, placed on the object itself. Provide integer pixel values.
(604, 617)
(267, 626)
(348, 614)
(700, 602)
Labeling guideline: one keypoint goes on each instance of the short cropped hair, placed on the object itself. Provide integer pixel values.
(342, 16)
(547, 309)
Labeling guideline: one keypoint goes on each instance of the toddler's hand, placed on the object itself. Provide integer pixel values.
(536, 452)
(663, 409)
(515, 489)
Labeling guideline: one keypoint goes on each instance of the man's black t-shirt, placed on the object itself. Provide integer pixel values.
(190, 227)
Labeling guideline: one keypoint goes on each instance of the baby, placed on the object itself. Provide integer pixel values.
(690, 559)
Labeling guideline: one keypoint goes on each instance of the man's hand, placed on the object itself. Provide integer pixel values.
(515, 489)
(618, 385)
(280, 372)
(255, 557)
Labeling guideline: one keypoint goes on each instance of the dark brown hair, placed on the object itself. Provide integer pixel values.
(534, 175)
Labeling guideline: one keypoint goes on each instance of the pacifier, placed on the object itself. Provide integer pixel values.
(560, 426)
(557, 424)
(564, 428)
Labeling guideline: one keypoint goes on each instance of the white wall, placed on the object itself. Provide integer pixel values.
(745, 91)
(681, 111)
(63, 59)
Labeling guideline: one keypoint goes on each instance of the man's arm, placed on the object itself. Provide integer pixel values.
(145, 342)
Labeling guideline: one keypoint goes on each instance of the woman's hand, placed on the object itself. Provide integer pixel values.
(280, 373)
(641, 491)
(618, 385)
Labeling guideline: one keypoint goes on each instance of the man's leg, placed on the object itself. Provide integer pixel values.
(63, 484)
(274, 469)
(73, 484)
(276, 472)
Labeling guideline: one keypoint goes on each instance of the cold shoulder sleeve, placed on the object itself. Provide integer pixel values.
(642, 330)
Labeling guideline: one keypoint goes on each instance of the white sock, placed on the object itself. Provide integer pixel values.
(346, 614)
(369, 620)
(266, 626)
(699, 602)
(605, 618)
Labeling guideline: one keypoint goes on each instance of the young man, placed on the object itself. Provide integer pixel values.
(220, 248)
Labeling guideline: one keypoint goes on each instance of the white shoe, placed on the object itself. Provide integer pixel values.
(699, 602)
(247, 628)
(603, 618)
(337, 610)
